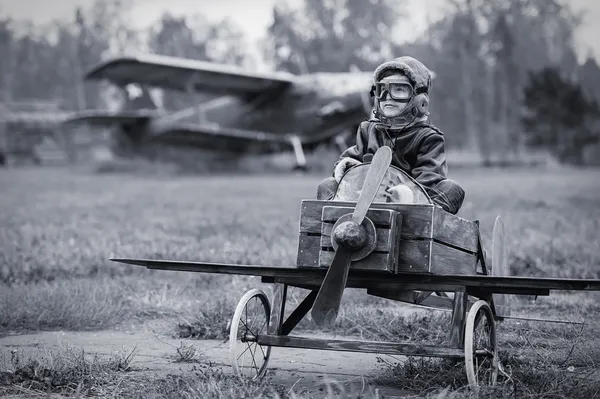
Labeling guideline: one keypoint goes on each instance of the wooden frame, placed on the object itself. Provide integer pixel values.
(410, 238)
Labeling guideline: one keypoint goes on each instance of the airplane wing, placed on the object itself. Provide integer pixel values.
(186, 74)
(109, 119)
(213, 136)
(365, 278)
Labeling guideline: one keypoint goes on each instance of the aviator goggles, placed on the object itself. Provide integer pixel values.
(399, 91)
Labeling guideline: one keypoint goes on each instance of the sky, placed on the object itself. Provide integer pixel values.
(253, 16)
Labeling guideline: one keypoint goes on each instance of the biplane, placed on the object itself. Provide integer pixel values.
(413, 252)
(248, 112)
(25, 125)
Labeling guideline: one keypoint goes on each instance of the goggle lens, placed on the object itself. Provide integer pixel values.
(398, 91)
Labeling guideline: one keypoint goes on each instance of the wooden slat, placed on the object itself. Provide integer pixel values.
(459, 315)
(379, 217)
(413, 257)
(375, 261)
(277, 308)
(448, 260)
(299, 313)
(308, 250)
(307, 275)
(432, 301)
(385, 237)
(416, 219)
(310, 216)
(392, 348)
(454, 230)
(311, 283)
(395, 239)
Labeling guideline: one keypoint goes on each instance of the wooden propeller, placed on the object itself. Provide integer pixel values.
(351, 237)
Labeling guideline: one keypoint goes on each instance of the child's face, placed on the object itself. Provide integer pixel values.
(391, 108)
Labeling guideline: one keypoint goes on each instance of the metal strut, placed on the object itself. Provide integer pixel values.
(299, 152)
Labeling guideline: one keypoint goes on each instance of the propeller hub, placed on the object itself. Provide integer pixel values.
(350, 235)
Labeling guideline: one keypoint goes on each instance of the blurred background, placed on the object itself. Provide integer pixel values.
(518, 82)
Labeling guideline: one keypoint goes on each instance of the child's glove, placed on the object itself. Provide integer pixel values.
(343, 166)
(400, 194)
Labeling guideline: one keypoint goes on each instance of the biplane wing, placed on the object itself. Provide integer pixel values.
(211, 136)
(188, 75)
(109, 119)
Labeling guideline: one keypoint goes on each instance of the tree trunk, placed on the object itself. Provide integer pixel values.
(467, 96)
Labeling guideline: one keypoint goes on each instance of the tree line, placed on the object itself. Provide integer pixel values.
(496, 61)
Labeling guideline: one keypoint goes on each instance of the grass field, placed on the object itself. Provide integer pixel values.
(58, 227)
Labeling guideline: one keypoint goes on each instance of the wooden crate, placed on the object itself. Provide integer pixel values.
(411, 238)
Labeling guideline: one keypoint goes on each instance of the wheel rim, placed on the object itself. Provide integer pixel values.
(481, 348)
(251, 318)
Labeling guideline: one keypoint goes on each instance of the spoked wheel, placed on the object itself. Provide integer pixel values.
(251, 318)
(481, 346)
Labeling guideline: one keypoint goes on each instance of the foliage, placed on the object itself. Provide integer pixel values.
(482, 53)
(559, 117)
(331, 36)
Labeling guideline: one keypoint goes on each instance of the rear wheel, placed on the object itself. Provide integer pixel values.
(251, 318)
(481, 346)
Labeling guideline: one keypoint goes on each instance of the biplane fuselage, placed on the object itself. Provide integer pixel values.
(311, 110)
(247, 113)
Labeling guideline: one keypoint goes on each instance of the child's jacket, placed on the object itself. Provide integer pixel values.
(419, 151)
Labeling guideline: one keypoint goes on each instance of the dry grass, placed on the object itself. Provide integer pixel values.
(58, 227)
(68, 371)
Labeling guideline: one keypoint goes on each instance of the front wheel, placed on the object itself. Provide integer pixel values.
(251, 318)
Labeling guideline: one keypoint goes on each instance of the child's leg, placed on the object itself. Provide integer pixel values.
(327, 188)
(448, 194)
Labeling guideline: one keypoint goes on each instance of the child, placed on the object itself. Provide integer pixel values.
(401, 89)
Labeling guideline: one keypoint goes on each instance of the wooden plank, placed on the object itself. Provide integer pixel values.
(413, 257)
(391, 348)
(299, 313)
(278, 308)
(385, 237)
(448, 260)
(395, 239)
(459, 315)
(375, 261)
(491, 284)
(417, 220)
(394, 293)
(454, 230)
(308, 250)
(412, 297)
(311, 283)
(379, 217)
(310, 216)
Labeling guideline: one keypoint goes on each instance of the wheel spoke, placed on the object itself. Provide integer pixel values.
(263, 352)
(247, 328)
(263, 326)
(254, 360)
(251, 316)
(245, 350)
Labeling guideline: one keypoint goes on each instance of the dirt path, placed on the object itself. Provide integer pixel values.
(305, 370)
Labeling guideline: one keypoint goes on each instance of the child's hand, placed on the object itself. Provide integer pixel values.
(400, 194)
(342, 166)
